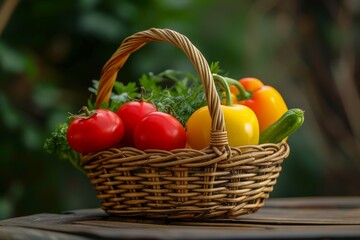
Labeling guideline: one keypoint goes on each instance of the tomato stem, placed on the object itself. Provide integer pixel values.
(225, 87)
(87, 112)
(142, 94)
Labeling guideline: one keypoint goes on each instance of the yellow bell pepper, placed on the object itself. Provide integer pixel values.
(241, 124)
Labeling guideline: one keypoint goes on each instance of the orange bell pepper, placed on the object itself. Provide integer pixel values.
(265, 101)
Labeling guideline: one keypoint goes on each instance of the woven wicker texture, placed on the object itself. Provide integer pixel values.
(217, 182)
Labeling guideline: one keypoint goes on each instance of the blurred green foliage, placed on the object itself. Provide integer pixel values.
(50, 51)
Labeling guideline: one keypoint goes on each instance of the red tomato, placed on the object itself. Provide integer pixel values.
(98, 131)
(159, 130)
(131, 113)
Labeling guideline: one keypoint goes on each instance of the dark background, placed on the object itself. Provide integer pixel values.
(51, 50)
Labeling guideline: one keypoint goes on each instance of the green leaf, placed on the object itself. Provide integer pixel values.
(95, 86)
(11, 60)
(101, 25)
(215, 67)
(9, 115)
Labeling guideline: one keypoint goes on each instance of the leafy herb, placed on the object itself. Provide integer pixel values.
(180, 93)
(57, 144)
(182, 105)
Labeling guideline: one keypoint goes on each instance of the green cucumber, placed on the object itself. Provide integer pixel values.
(287, 124)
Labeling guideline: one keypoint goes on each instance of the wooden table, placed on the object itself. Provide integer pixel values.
(291, 218)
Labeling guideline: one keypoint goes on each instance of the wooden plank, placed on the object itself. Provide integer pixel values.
(320, 210)
(305, 218)
(51, 218)
(306, 210)
(314, 202)
(36, 234)
(119, 230)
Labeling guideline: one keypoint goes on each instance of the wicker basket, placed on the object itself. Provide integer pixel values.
(217, 182)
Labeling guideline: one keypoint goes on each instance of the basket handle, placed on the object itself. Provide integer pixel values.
(218, 135)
